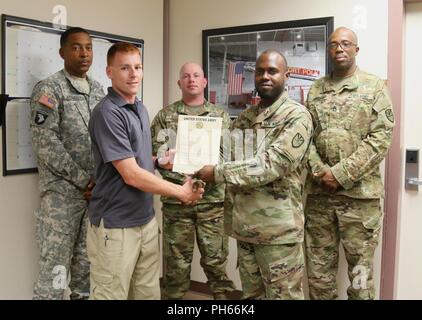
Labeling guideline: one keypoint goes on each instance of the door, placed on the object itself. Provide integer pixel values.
(409, 262)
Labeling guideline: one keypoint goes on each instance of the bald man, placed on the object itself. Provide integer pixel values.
(353, 120)
(205, 220)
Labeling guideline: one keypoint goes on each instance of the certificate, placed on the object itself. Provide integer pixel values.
(197, 143)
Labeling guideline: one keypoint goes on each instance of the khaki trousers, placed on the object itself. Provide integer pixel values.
(124, 262)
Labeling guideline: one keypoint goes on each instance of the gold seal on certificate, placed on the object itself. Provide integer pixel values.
(197, 143)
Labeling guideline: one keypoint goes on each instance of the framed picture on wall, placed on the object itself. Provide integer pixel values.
(229, 56)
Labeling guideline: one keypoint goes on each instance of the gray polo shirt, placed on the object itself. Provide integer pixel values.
(119, 131)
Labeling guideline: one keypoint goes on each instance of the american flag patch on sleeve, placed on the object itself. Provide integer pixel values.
(47, 101)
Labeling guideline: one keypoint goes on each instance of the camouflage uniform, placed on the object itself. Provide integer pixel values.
(263, 207)
(181, 223)
(353, 120)
(59, 123)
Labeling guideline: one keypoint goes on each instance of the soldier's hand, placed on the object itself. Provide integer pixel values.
(328, 181)
(206, 174)
(197, 184)
(189, 196)
(319, 174)
(166, 162)
(88, 190)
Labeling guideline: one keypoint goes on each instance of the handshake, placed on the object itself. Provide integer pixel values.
(193, 186)
(206, 174)
(193, 191)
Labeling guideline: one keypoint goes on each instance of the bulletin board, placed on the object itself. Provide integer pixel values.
(30, 53)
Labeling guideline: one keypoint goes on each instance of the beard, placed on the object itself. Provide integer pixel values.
(272, 94)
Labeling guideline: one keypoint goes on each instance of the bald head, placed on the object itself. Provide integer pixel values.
(192, 83)
(342, 49)
(190, 67)
(344, 31)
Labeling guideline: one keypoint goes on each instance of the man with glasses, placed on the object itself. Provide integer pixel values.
(353, 121)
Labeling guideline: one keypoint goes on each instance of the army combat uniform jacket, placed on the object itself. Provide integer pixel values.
(353, 120)
(164, 130)
(264, 190)
(60, 113)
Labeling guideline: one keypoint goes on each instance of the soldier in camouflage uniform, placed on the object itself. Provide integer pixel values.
(181, 222)
(263, 205)
(60, 110)
(353, 120)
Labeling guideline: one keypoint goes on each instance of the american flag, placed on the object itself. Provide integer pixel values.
(234, 86)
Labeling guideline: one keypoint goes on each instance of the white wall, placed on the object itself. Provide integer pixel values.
(189, 17)
(19, 194)
(409, 262)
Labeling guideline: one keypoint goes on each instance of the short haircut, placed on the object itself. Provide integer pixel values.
(121, 47)
(65, 35)
(276, 52)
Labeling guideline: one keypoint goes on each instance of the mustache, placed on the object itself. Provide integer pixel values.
(264, 83)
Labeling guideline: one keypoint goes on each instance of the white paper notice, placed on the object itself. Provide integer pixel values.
(197, 143)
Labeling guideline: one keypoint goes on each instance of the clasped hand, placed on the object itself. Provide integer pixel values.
(327, 180)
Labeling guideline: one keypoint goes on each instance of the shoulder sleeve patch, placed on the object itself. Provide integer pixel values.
(40, 117)
(389, 114)
(297, 140)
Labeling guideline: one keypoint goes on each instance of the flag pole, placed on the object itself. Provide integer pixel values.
(226, 100)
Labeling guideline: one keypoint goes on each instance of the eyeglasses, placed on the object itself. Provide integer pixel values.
(343, 44)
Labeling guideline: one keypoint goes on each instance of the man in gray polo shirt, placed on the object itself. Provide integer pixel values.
(123, 234)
